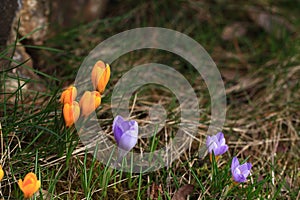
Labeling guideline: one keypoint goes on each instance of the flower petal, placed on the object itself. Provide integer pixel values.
(240, 172)
(1, 173)
(244, 167)
(117, 133)
(134, 127)
(117, 122)
(128, 140)
(220, 150)
(239, 177)
(30, 185)
(234, 164)
(211, 143)
(220, 136)
(208, 140)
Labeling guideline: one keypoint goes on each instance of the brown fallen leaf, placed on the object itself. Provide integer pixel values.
(183, 192)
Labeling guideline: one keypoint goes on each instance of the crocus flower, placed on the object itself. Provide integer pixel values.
(216, 144)
(100, 76)
(30, 185)
(69, 95)
(1, 173)
(125, 133)
(71, 113)
(89, 102)
(240, 172)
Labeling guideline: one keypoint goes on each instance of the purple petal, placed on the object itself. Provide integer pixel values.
(211, 143)
(117, 128)
(134, 126)
(222, 142)
(208, 141)
(221, 139)
(246, 173)
(239, 178)
(118, 134)
(217, 144)
(128, 140)
(125, 125)
(212, 147)
(249, 166)
(117, 122)
(244, 167)
(240, 172)
(220, 150)
(220, 136)
(234, 164)
(125, 133)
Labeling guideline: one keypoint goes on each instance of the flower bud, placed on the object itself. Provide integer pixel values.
(100, 76)
(126, 135)
(71, 113)
(69, 95)
(89, 102)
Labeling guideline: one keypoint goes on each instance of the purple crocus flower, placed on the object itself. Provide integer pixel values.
(217, 144)
(240, 172)
(125, 133)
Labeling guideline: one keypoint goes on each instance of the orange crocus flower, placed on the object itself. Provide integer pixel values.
(89, 102)
(30, 185)
(69, 95)
(71, 113)
(100, 76)
(1, 173)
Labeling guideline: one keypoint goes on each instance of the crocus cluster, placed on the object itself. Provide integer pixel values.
(216, 144)
(90, 100)
(125, 133)
(28, 186)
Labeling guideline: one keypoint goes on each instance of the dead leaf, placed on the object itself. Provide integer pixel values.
(234, 30)
(183, 192)
(271, 23)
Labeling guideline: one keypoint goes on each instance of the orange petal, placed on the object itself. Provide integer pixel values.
(89, 102)
(103, 80)
(69, 95)
(71, 113)
(97, 72)
(1, 173)
(100, 76)
(30, 185)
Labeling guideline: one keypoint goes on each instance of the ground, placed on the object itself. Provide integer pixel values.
(260, 68)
